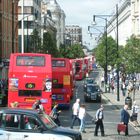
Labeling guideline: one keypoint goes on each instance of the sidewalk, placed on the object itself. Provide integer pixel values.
(112, 99)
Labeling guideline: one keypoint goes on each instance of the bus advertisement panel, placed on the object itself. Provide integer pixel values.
(30, 79)
(62, 81)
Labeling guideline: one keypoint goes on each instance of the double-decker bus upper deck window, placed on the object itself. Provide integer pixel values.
(30, 61)
(58, 63)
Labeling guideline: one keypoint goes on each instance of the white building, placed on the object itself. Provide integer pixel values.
(58, 16)
(128, 21)
(29, 17)
(124, 23)
(135, 15)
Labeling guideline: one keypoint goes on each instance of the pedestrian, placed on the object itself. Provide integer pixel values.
(123, 88)
(99, 121)
(130, 88)
(125, 118)
(82, 115)
(112, 85)
(102, 81)
(135, 111)
(87, 75)
(75, 110)
(38, 106)
(55, 114)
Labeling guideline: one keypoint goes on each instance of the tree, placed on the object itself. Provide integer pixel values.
(34, 42)
(49, 45)
(100, 52)
(131, 55)
(74, 51)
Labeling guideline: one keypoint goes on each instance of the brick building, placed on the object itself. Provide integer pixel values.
(8, 33)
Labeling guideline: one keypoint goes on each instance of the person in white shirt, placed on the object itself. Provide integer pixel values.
(81, 115)
(75, 109)
(99, 123)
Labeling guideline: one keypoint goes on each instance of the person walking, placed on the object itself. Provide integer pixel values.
(123, 88)
(82, 114)
(112, 85)
(134, 116)
(38, 106)
(102, 81)
(55, 114)
(99, 121)
(75, 110)
(125, 118)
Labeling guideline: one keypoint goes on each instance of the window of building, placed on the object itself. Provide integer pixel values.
(27, 9)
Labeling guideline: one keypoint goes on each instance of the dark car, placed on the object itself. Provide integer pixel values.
(89, 80)
(23, 124)
(92, 92)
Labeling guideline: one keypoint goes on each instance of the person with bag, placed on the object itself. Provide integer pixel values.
(99, 121)
(75, 110)
(125, 118)
(38, 106)
(134, 116)
(55, 114)
(81, 115)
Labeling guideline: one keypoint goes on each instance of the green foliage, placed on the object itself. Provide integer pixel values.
(34, 42)
(49, 45)
(131, 55)
(100, 52)
(74, 51)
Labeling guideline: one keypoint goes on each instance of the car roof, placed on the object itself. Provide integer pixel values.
(18, 111)
(89, 78)
(94, 85)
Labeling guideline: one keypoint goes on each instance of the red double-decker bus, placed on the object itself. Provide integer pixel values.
(62, 81)
(30, 79)
(80, 68)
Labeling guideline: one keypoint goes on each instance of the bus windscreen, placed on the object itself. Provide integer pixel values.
(30, 61)
(58, 63)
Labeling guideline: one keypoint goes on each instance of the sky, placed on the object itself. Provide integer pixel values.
(80, 12)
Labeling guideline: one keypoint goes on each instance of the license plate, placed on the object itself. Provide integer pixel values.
(30, 99)
(93, 97)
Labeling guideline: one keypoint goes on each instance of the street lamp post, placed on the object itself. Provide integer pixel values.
(118, 78)
(106, 60)
(101, 16)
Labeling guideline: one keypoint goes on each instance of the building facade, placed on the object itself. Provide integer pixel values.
(128, 21)
(58, 16)
(135, 16)
(124, 23)
(73, 34)
(8, 34)
(29, 18)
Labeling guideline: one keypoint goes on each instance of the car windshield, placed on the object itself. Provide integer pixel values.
(92, 88)
(47, 121)
(90, 81)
